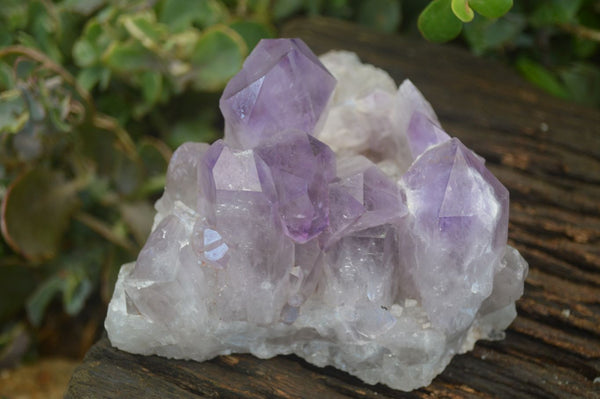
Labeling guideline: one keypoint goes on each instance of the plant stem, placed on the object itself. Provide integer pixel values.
(581, 31)
(108, 123)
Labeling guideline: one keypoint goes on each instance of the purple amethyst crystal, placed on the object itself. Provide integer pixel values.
(302, 168)
(364, 197)
(458, 229)
(282, 86)
(383, 258)
(423, 133)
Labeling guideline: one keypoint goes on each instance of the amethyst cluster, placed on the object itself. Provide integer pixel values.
(336, 220)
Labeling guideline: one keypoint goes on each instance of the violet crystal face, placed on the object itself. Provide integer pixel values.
(336, 220)
(282, 86)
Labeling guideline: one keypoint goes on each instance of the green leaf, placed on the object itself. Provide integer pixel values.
(541, 77)
(461, 9)
(438, 23)
(13, 111)
(41, 298)
(24, 68)
(484, 35)
(152, 87)
(283, 9)
(555, 12)
(84, 53)
(7, 80)
(87, 51)
(144, 28)
(76, 289)
(584, 48)
(252, 32)
(179, 15)
(491, 8)
(218, 55)
(381, 15)
(36, 212)
(16, 14)
(16, 284)
(88, 78)
(129, 57)
(200, 128)
(85, 7)
(43, 25)
(6, 36)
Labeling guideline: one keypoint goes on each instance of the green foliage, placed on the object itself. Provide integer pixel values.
(62, 164)
(553, 43)
(160, 52)
(49, 214)
(90, 92)
(442, 20)
(491, 9)
(540, 76)
(486, 36)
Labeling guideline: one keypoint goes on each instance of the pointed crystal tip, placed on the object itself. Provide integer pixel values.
(281, 86)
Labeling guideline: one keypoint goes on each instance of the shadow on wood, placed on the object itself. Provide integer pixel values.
(546, 152)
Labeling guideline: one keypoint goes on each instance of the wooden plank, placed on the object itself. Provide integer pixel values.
(547, 153)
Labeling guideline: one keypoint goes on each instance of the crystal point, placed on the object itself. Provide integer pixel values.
(423, 133)
(302, 168)
(463, 213)
(281, 86)
(343, 225)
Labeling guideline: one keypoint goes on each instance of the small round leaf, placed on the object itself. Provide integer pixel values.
(541, 77)
(461, 9)
(129, 57)
(438, 23)
(252, 31)
(36, 212)
(217, 56)
(491, 8)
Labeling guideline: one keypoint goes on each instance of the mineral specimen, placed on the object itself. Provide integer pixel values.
(335, 221)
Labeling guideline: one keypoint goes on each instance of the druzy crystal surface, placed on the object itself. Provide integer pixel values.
(336, 220)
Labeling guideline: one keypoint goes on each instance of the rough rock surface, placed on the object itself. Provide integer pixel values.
(336, 221)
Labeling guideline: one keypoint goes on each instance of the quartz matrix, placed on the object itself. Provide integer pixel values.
(336, 220)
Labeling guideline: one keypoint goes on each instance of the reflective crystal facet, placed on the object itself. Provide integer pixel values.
(282, 86)
(460, 221)
(302, 168)
(344, 226)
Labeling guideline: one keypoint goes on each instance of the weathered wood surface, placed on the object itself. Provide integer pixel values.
(546, 151)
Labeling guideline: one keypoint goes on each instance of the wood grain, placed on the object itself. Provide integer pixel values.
(546, 152)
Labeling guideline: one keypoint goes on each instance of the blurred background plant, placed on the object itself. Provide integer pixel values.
(95, 95)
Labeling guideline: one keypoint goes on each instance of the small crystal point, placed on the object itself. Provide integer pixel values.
(459, 208)
(364, 197)
(282, 86)
(423, 133)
